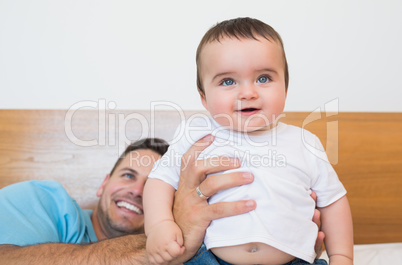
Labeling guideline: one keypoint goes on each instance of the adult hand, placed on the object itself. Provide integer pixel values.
(317, 220)
(192, 213)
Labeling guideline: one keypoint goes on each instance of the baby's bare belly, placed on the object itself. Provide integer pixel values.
(252, 253)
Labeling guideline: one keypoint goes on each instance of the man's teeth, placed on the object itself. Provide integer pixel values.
(129, 207)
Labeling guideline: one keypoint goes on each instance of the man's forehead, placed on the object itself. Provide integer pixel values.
(141, 159)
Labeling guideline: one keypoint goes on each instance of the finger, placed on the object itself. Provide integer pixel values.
(191, 174)
(226, 209)
(158, 259)
(215, 183)
(217, 164)
(165, 256)
(151, 259)
(174, 250)
(319, 243)
(195, 150)
(317, 218)
(314, 196)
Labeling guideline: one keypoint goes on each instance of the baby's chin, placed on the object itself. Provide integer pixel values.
(251, 125)
(253, 129)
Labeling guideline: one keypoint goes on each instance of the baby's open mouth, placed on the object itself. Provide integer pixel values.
(249, 110)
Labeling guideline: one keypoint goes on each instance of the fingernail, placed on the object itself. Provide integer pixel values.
(208, 138)
(247, 175)
(250, 203)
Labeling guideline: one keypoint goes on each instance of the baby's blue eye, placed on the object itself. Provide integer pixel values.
(228, 82)
(263, 79)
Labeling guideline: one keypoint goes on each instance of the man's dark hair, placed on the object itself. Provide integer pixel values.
(157, 145)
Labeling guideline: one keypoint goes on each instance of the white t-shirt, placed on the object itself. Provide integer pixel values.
(287, 163)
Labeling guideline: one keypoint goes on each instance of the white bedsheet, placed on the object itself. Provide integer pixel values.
(376, 254)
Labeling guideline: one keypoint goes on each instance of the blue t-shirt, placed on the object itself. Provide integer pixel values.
(34, 212)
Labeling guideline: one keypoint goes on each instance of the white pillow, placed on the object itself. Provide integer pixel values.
(375, 254)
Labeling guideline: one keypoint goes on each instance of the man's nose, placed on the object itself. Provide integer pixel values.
(137, 188)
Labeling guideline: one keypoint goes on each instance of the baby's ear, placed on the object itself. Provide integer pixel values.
(203, 99)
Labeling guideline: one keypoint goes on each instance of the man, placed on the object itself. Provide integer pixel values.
(113, 233)
(117, 221)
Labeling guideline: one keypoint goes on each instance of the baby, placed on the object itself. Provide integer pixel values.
(242, 78)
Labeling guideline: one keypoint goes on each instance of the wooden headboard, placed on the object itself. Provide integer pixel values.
(78, 148)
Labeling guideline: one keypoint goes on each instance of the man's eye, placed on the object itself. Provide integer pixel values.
(263, 79)
(228, 82)
(130, 176)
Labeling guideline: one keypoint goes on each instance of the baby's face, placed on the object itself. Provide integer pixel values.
(244, 82)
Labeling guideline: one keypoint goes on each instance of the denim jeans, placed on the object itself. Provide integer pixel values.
(205, 257)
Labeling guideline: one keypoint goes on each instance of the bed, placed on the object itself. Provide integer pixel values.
(79, 147)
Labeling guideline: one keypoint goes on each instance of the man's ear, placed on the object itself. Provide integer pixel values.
(102, 186)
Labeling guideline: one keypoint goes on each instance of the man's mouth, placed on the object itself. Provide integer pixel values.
(129, 206)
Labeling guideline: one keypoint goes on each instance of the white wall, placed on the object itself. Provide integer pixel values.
(55, 53)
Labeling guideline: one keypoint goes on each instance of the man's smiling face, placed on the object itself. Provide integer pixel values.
(120, 210)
